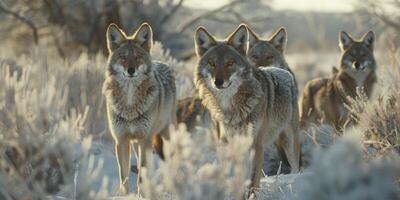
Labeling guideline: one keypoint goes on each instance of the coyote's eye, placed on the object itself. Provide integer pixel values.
(211, 63)
(230, 62)
(270, 57)
(254, 56)
(123, 59)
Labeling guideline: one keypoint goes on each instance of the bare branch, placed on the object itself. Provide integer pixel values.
(23, 19)
(237, 19)
(377, 10)
(388, 21)
(221, 20)
(240, 17)
(192, 21)
(260, 19)
(173, 11)
(56, 11)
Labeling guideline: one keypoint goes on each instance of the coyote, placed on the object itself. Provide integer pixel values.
(324, 99)
(140, 95)
(270, 53)
(244, 99)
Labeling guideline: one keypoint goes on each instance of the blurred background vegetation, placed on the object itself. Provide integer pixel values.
(73, 27)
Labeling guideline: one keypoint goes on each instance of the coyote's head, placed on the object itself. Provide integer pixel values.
(222, 62)
(129, 56)
(267, 52)
(357, 58)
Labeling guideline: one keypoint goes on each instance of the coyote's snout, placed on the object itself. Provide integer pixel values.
(140, 95)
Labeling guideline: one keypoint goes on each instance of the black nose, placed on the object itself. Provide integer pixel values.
(219, 82)
(131, 70)
(357, 65)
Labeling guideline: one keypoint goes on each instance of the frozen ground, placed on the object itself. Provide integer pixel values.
(101, 156)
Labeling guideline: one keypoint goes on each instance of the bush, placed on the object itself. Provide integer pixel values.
(341, 172)
(195, 169)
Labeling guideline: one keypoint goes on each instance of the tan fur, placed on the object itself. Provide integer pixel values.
(141, 98)
(257, 101)
(191, 112)
(324, 99)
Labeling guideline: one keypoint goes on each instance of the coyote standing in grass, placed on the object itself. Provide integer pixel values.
(141, 98)
(269, 53)
(324, 99)
(244, 99)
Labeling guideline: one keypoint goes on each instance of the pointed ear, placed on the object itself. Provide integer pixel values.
(345, 40)
(368, 39)
(279, 39)
(203, 41)
(144, 36)
(115, 37)
(253, 37)
(239, 39)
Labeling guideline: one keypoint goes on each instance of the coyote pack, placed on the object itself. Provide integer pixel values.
(243, 86)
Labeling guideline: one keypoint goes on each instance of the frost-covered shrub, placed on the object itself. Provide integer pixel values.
(379, 120)
(316, 137)
(31, 81)
(195, 168)
(342, 172)
(48, 109)
(51, 109)
(40, 141)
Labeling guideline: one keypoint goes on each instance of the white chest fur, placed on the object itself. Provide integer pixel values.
(129, 89)
(225, 96)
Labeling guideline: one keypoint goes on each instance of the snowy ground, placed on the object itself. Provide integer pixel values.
(101, 154)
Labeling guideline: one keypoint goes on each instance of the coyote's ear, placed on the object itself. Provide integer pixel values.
(253, 37)
(115, 36)
(203, 41)
(279, 39)
(368, 39)
(239, 39)
(345, 40)
(144, 36)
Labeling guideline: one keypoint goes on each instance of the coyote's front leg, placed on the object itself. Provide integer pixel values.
(123, 154)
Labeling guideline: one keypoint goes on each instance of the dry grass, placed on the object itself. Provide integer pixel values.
(342, 172)
(52, 111)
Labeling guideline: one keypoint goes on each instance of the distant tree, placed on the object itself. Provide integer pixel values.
(85, 21)
(386, 11)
